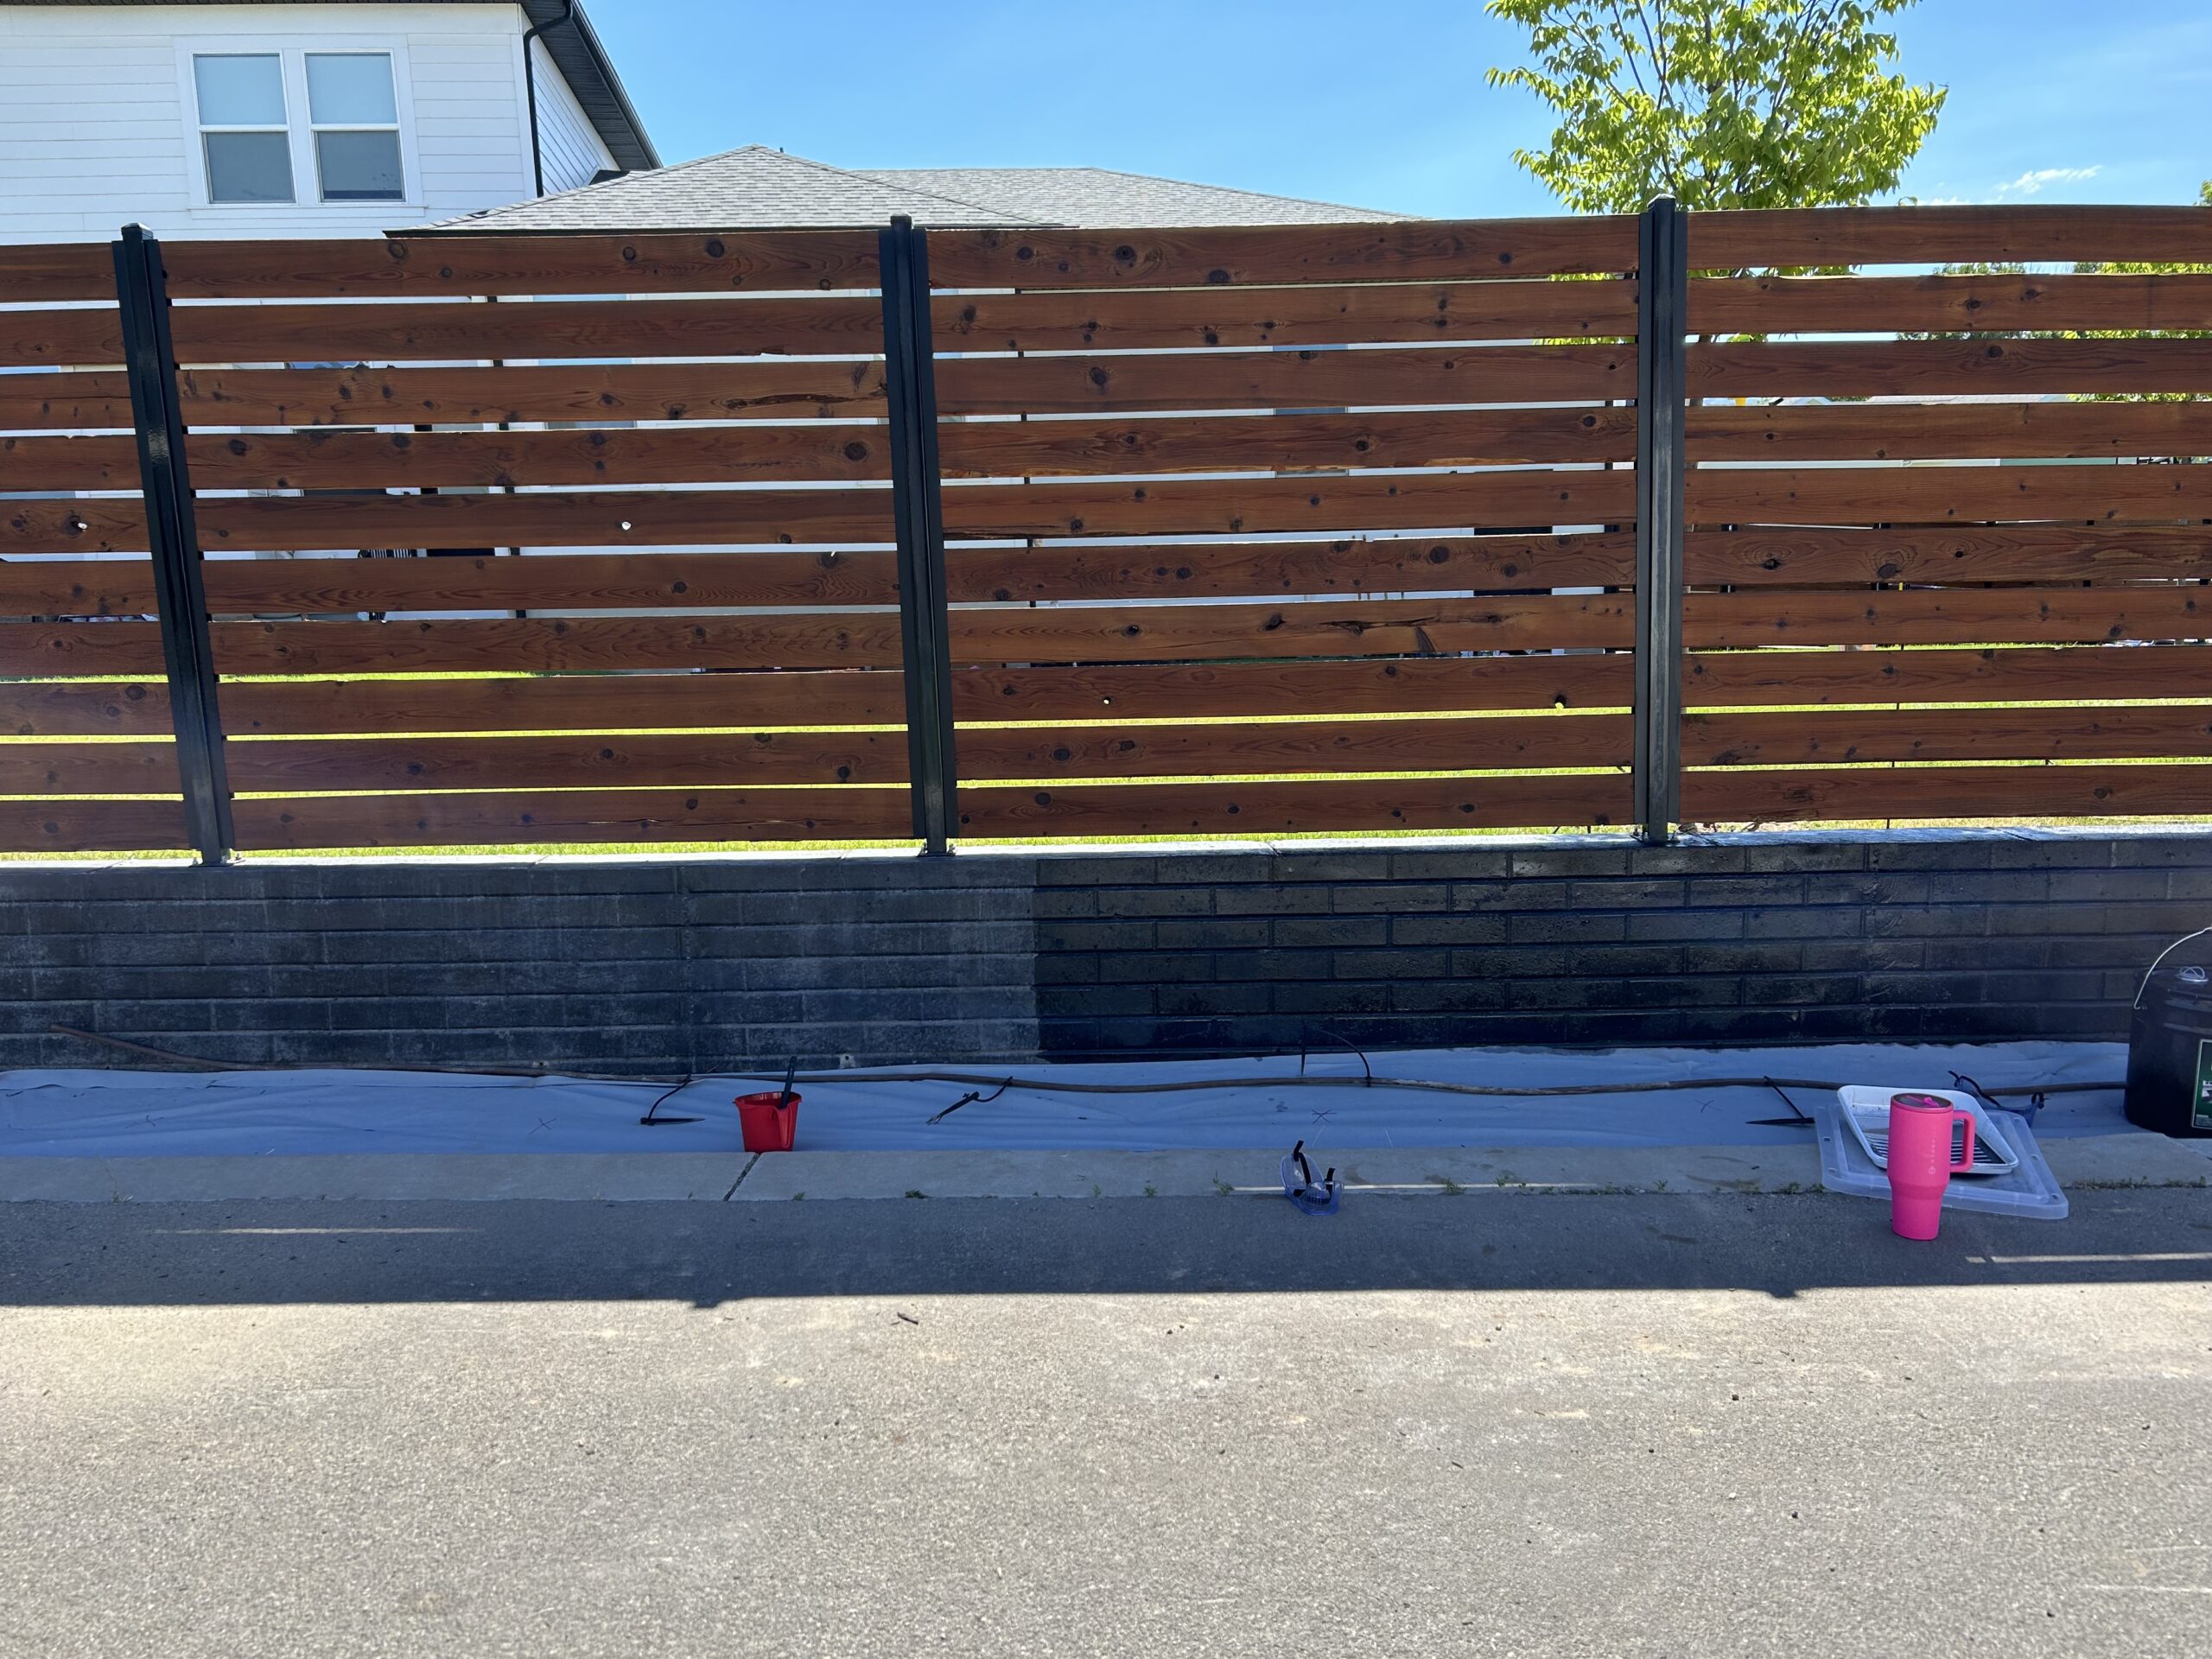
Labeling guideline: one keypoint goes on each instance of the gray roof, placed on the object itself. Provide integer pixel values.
(576, 51)
(1099, 195)
(760, 189)
(753, 189)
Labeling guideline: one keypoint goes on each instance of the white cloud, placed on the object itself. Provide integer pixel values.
(2032, 182)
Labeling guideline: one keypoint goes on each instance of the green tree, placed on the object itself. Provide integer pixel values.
(1717, 103)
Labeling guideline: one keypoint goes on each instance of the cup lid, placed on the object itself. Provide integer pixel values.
(1919, 1103)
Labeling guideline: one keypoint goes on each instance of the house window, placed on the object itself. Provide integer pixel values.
(242, 129)
(256, 148)
(356, 122)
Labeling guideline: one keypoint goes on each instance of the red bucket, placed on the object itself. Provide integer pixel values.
(770, 1121)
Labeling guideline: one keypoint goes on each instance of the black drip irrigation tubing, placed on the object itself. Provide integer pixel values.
(1001, 1081)
(1055, 1085)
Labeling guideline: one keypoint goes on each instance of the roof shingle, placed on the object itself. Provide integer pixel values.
(1099, 195)
(752, 188)
(760, 189)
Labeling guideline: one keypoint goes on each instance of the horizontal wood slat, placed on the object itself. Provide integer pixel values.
(2034, 733)
(779, 390)
(550, 582)
(355, 460)
(1321, 628)
(627, 759)
(1949, 304)
(1227, 569)
(2058, 233)
(85, 336)
(549, 646)
(1277, 747)
(2023, 553)
(318, 585)
(2081, 490)
(1256, 506)
(38, 464)
(461, 819)
(63, 768)
(1295, 807)
(1464, 374)
(99, 708)
(61, 524)
(2061, 674)
(64, 826)
(1286, 442)
(325, 460)
(287, 523)
(1903, 368)
(643, 519)
(1227, 690)
(1417, 250)
(456, 265)
(827, 388)
(2038, 792)
(42, 273)
(594, 703)
(46, 401)
(1164, 319)
(446, 332)
(76, 587)
(1946, 431)
(1962, 616)
(67, 649)
(1171, 319)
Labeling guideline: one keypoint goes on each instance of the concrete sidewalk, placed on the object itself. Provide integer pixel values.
(2131, 1159)
(1527, 1424)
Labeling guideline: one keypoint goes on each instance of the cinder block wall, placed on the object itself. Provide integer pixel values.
(697, 964)
(651, 966)
(1764, 938)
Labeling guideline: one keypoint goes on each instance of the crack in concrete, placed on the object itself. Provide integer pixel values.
(741, 1174)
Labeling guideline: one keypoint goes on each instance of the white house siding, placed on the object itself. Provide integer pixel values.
(91, 128)
(97, 127)
(574, 152)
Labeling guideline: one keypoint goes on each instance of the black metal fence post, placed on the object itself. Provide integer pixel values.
(142, 290)
(918, 508)
(1661, 427)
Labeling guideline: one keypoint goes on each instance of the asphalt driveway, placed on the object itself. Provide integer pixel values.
(1493, 1423)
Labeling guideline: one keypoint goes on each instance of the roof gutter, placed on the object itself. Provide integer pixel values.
(566, 20)
(587, 37)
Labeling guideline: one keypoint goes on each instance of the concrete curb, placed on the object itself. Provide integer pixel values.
(399, 1177)
(1248, 1173)
(2101, 1160)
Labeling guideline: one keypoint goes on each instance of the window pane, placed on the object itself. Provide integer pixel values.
(249, 167)
(350, 89)
(240, 90)
(359, 166)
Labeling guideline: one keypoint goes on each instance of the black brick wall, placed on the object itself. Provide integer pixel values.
(660, 966)
(1777, 939)
(683, 965)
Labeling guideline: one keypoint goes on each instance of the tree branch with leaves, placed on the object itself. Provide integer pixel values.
(1717, 103)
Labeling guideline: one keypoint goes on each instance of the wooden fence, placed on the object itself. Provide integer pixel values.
(1989, 568)
(1243, 531)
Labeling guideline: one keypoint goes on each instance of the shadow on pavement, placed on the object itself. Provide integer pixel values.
(58, 1255)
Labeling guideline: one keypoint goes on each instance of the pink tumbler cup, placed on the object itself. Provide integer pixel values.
(1920, 1161)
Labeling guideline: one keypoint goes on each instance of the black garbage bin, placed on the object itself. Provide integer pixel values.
(2169, 1050)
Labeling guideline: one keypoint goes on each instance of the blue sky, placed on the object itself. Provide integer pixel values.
(2054, 100)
